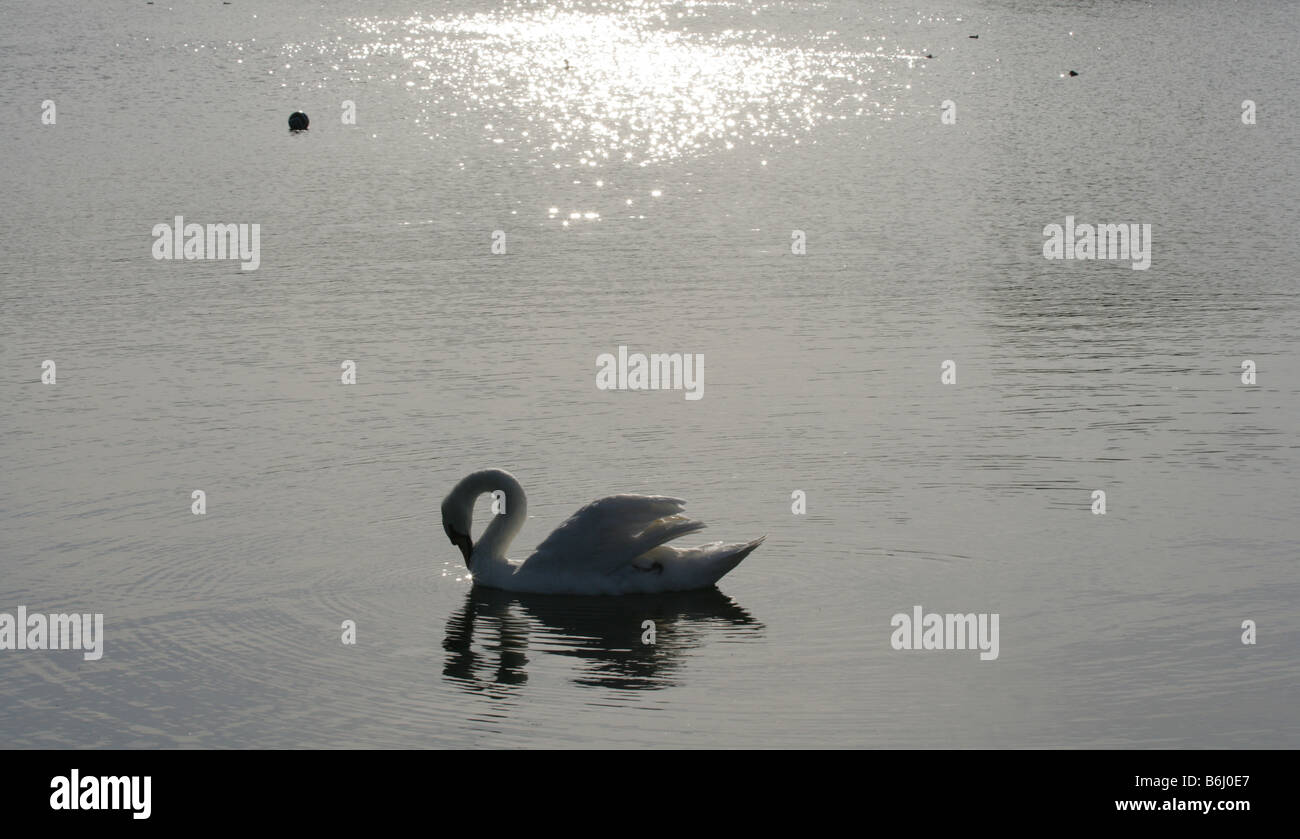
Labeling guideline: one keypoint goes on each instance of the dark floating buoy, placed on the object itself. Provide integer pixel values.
(1072, 73)
(298, 121)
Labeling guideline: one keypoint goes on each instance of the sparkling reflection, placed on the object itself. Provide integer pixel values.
(574, 84)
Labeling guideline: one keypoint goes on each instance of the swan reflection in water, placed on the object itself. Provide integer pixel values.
(603, 633)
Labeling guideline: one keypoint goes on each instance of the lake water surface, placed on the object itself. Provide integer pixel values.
(648, 194)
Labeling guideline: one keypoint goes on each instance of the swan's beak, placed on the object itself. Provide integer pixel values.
(460, 540)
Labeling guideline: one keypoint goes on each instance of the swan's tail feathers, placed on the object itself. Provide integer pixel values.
(667, 568)
(705, 565)
(732, 556)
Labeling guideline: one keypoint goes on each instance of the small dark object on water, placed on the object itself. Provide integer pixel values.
(298, 121)
(1072, 73)
(972, 36)
(928, 55)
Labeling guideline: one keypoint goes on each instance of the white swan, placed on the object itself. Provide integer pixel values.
(614, 545)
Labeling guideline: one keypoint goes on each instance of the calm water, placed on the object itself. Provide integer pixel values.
(648, 194)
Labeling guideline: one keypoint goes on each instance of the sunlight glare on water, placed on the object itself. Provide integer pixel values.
(580, 85)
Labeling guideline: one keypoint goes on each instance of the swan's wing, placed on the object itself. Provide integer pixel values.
(610, 533)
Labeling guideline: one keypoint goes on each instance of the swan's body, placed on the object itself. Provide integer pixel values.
(615, 545)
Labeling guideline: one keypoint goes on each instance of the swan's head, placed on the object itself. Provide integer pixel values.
(457, 516)
(458, 508)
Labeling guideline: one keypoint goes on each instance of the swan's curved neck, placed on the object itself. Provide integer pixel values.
(506, 523)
